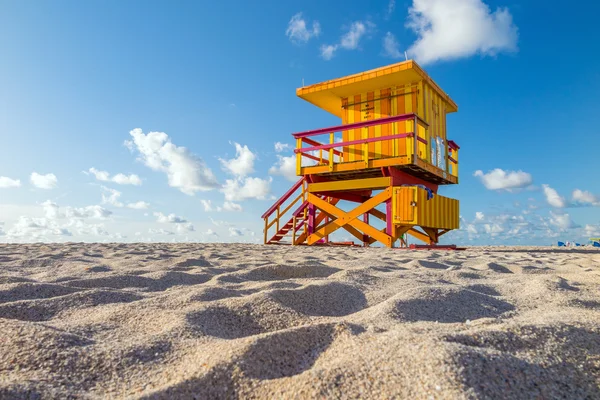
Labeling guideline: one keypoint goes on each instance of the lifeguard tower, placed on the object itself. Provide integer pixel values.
(377, 174)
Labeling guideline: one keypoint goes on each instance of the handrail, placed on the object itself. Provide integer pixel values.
(363, 124)
(300, 209)
(358, 141)
(315, 143)
(283, 198)
(452, 144)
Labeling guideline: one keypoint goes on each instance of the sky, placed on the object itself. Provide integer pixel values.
(171, 121)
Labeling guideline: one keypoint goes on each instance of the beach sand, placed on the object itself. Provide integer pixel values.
(161, 321)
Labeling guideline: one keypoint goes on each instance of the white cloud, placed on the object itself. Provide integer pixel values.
(242, 164)
(391, 47)
(390, 8)
(499, 179)
(185, 171)
(280, 147)
(111, 196)
(120, 179)
(138, 205)
(493, 229)
(185, 228)
(479, 216)
(235, 232)
(82, 228)
(48, 181)
(562, 221)
(93, 212)
(123, 179)
(6, 182)
(210, 232)
(36, 229)
(286, 167)
(227, 206)
(160, 231)
(58, 223)
(53, 211)
(220, 223)
(298, 32)
(171, 218)
(247, 188)
(553, 198)
(592, 230)
(585, 198)
(231, 206)
(328, 51)
(208, 207)
(350, 40)
(451, 29)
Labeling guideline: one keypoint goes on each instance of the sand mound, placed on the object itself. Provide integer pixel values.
(162, 321)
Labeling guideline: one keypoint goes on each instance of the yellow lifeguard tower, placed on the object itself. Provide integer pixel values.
(391, 150)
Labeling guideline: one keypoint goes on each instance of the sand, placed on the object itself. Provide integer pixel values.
(161, 321)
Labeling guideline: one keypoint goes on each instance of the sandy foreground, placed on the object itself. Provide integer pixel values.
(251, 321)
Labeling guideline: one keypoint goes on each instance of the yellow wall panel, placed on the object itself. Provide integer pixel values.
(417, 97)
(439, 212)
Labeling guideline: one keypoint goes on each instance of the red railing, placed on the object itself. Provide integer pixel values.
(363, 124)
(327, 151)
(283, 198)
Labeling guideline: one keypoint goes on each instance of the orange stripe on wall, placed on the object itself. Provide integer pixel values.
(386, 128)
(358, 131)
(368, 115)
(401, 126)
(345, 134)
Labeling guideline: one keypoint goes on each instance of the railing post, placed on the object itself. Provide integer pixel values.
(456, 164)
(331, 140)
(416, 140)
(294, 231)
(389, 219)
(298, 157)
(327, 222)
(266, 229)
(278, 215)
(305, 225)
(366, 154)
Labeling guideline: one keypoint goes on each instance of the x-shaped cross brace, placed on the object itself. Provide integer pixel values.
(349, 220)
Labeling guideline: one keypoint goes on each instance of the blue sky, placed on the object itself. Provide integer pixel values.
(83, 85)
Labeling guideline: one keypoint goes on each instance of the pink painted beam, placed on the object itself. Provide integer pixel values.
(283, 198)
(359, 141)
(315, 143)
(300, 209)
(356, 125)
(452, 159)
(389, 225)
(453, 145)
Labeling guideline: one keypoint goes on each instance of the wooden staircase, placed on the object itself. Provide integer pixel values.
(295, 229)
(281, 211)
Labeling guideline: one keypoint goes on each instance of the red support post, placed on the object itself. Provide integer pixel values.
(366, 237)
(311, 218)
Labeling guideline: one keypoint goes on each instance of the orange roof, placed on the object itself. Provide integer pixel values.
(327, 95)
